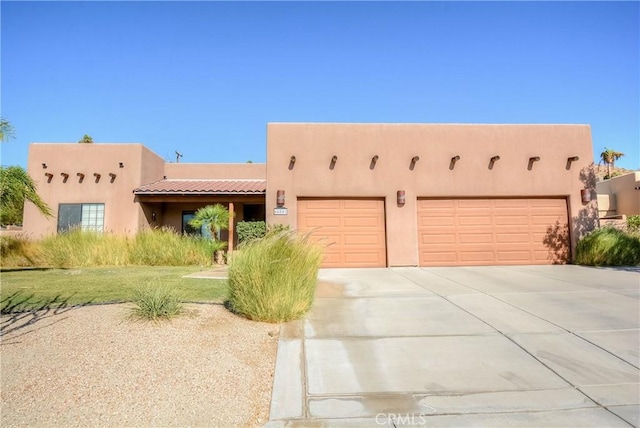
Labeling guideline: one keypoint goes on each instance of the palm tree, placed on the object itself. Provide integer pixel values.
(6, 130)
(214, 217)
(16, 187)
(609, 157)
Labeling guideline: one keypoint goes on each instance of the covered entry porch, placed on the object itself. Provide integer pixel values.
(172, 203)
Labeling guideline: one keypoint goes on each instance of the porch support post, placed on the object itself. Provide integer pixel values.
(231, 227)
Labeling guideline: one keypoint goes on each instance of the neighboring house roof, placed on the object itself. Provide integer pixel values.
(203, 187)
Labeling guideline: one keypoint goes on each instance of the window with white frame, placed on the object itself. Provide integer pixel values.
(83, 216)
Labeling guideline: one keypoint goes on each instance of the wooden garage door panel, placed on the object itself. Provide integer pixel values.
(435, 204)
(513, 238)
(471, 203)
(474, 238)
(470, 220)
(363, 239)
(545, 220)
(439, 238)
(509, 203)
(320, 205)
(439, 220)
(519, 257)
(471, 257)
(361, 205)
(503, 220)
(442, 258)
(327, 238)
(541, 256)
(354, 228)
(491, 231)
(331, 258)
(365, 221)
(322, 221)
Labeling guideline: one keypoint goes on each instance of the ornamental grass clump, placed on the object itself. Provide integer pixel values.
(78, 248)
(165, 247)
(152, 247)
(155, 302)
(608, 247)
(18, 252)
(274, 279)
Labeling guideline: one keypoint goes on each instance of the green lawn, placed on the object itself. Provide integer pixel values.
(33, 288)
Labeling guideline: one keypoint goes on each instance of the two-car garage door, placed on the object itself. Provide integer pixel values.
(467, 232)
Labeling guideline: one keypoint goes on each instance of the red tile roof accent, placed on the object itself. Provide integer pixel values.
(202, 187)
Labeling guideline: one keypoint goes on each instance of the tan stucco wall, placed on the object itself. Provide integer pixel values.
(313, 145)
(123, 211)
(122, 215)
(619, 195)
(255, 171)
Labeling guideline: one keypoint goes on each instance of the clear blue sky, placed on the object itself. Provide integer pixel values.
(205, 78)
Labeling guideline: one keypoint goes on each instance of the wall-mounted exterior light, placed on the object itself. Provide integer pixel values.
(374, 160)
(97, 176)
(585, 196)
(113, 177)
(80, 177)
(49, 176)
(334, 159)
(153, 216)
(493, 160)
(571, 159)
(292, 162)
(65, 177)
(413, 162)
(280, 198)
(531, 161)
(401, 198)
(120, 165)
(44, 166)
(454, 159)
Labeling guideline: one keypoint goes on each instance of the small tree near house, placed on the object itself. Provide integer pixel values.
(86, 139)
(216, 219)
(16, 187)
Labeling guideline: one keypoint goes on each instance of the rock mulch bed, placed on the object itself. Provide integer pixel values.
(91, 366)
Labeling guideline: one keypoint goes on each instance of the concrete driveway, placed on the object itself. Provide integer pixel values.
(477, 346)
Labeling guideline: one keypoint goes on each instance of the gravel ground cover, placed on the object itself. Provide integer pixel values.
(91, 366)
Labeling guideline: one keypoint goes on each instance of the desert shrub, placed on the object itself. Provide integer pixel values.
(274, 279)
(273, 229)
(250, 230)
(18, 252)
(633, 223)
(155, 302)
(608, 247)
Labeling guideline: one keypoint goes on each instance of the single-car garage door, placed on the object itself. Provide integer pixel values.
(467, 232)
(353, 229)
